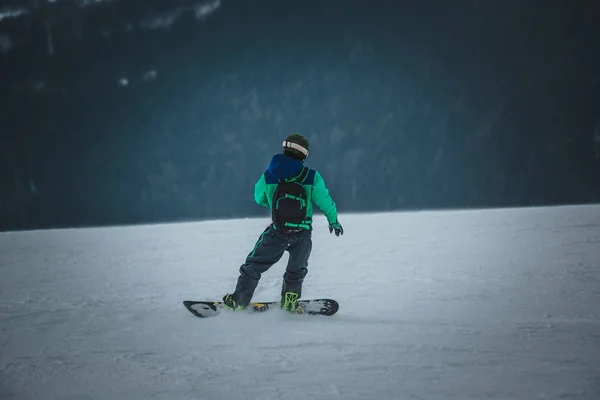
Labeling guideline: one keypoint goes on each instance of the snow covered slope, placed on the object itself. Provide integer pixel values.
(485, 304)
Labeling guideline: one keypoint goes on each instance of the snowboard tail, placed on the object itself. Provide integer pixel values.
(204, 309)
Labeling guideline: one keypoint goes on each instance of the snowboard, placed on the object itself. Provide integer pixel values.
(204, 309)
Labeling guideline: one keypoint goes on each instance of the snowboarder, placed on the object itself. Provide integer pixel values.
(288, 188)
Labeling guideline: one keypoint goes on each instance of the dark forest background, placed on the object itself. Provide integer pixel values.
(135, 111)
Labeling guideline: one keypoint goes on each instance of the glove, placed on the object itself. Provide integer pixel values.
(337, 227)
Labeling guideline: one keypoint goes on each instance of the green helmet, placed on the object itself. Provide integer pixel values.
(295, 145)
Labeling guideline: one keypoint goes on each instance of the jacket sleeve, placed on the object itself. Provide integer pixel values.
(322, 198)
(260, 192)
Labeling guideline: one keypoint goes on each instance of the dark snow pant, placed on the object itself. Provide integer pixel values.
(268, 250)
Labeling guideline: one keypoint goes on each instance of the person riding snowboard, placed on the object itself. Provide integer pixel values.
(288, 188)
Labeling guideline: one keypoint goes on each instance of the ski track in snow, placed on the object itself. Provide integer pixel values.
(480, 304)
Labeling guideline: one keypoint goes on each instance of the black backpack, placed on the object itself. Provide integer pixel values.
(289, 203)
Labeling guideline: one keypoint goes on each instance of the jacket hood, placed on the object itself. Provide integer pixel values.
(283, 166)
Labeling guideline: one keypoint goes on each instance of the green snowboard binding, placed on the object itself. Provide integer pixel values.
(290, 303)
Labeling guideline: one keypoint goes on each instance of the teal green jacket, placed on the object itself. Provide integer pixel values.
(282, 167)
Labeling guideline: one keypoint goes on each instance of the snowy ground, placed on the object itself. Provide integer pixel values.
(500, 304)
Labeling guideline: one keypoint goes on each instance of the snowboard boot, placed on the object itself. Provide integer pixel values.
(290, 303)
(229, 303)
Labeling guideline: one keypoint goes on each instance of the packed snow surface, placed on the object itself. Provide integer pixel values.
(481, 304)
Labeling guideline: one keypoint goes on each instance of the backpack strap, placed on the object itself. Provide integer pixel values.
(300, 178)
